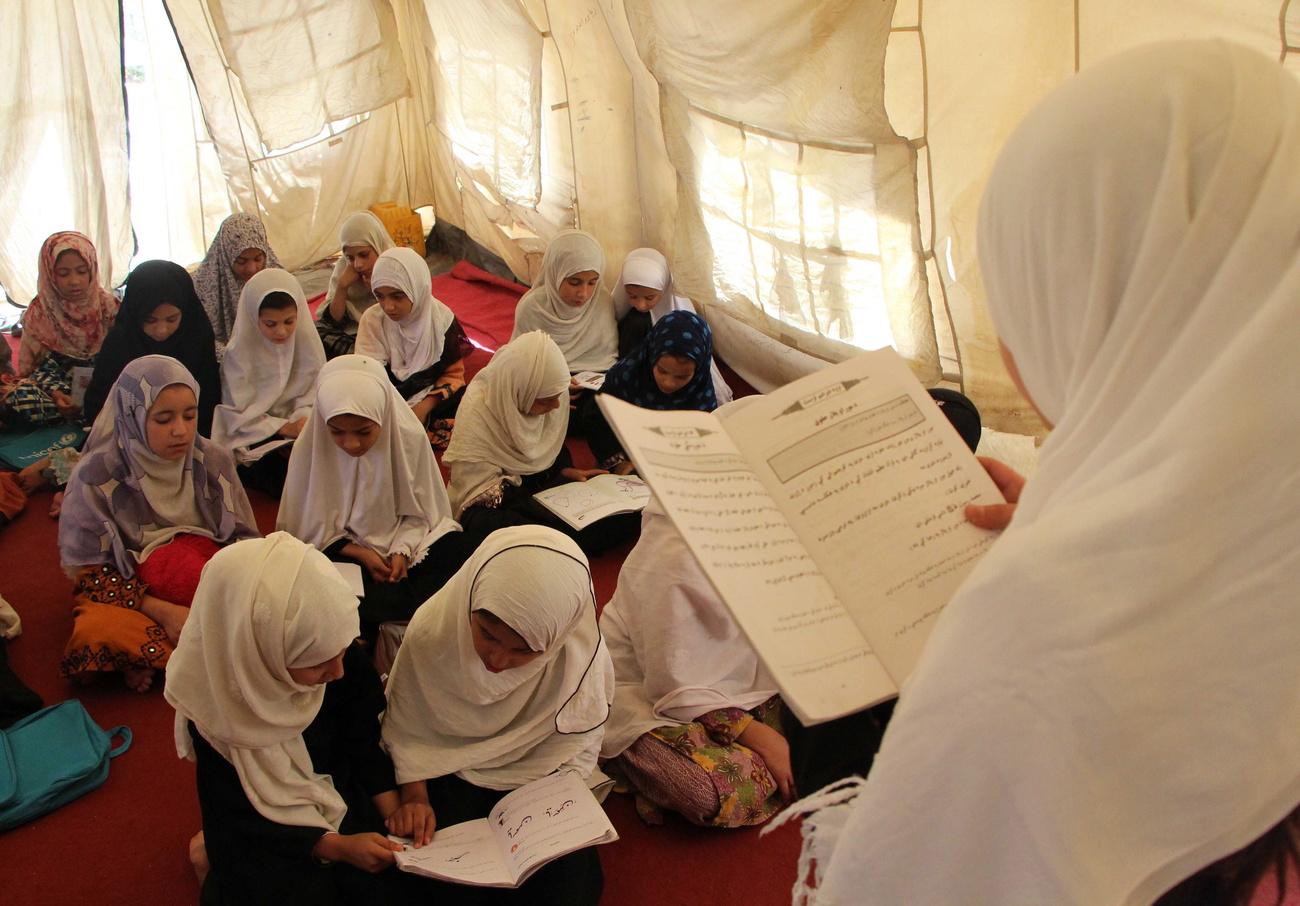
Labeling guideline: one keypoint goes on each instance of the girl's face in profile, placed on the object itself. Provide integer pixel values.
(673, 372)
(353, 434)
(162, 322)
(498, 646)
(577, 289)
(642, 298)
(249, 262)
(320, 673)
(171, 422)
(71, 277)
(395, 303)
(362, 258)
(278, 324)
(544, 404)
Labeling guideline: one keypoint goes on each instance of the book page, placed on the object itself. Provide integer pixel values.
(253, 454)
(875, 481)
(778, 596)
(589, 380)
(81, 375)
(547, 819)
(351, 574)
(580, 503)
(465, 852)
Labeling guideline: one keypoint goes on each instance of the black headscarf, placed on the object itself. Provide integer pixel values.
(151, 284)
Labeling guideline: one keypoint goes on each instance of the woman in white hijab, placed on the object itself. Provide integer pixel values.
(570, 304)
(364, 487)
(281, 713)
(1112, 700)
(509, 444)
(418, 340)
(502, 679)
(643, 295)
(693, 726)
(363, 238)
(267, 376)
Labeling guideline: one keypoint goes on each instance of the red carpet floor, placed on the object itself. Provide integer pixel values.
(126, 842)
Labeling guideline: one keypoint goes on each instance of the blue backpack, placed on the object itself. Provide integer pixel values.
(50, 758)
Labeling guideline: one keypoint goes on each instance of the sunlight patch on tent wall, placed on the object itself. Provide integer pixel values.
(305, 63)
(803, 246)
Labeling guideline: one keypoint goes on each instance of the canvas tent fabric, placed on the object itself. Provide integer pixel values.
(811, 169)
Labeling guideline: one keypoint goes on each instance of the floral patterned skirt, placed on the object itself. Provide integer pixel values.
(698, 770)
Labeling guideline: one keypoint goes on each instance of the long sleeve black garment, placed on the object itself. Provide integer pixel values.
(257, 860)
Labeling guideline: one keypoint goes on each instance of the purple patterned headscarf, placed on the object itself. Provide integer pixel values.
(106, 510)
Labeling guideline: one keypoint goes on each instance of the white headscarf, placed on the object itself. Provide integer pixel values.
(1112, 700)
(495, 437)
(677, 652)
(587, 334)
(448, 714)
(649, 268)
(265, 385)
(262, 607)
(415, 342)
(391, 498)
(361, 228)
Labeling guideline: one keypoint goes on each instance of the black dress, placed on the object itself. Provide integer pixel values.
(258, 861)
(518, 507)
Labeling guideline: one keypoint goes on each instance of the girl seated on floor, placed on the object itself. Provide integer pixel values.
(695, 711)
(146, 507)
(160, 315)
(667, 371)
(643, 295)
(267, 377)
(416, 338)
(63, 329)
(501, 680)
(363, 239)
(509, 444)
(280, 711)
(363, 486)
(569, 303)
(238, 251)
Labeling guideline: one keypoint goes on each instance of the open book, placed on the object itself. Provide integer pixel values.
(829, 517)
(580, 503)
(529, 827)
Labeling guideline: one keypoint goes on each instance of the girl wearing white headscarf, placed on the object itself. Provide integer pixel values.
(281, 713)
(502, 679)
(570, 304)
(509, 444)
(363, 238)
(688, 725)
(267, 375)
(237, 253)
(364, 486)
(1112, 700)
(417, 338)
(643, 295)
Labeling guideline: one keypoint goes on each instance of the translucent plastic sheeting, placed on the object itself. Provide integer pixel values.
(63, 148)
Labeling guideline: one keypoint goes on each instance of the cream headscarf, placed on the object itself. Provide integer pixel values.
(262, 607)
(677, 652)
(587, 335)
(264, 385)
(447, 714)
(495, 437)
(360, 228)
(391, 498)
(415, 342)
(1112, 700)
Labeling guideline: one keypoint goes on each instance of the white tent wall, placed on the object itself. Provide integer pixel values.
(696, 126)
(63, 150)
